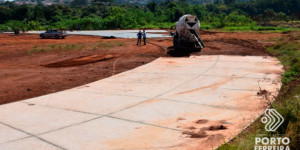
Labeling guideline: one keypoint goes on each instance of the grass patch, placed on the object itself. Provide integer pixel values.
(53, 46)
(80, 46)
(68, 47)
(205, 26)
(39, 49)
(240, 28)
(105, 45)
(110, 44)
(95, 48)
(29, 52)
(256, 28)
(120, 43)
(76, 46)
(287, 103)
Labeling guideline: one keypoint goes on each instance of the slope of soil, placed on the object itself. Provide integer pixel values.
(82, 60)
(228, 43)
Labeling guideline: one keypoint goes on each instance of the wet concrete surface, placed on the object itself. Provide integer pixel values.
(196, 102)
(116, 33)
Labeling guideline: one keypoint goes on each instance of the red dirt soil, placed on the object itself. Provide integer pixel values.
(30, 66)
(26, 71)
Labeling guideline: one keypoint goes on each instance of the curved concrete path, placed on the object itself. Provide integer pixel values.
(171, 103)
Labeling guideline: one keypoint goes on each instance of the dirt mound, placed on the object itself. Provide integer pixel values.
(233, 46)
(244, 43)
(82, 60)
(202, 128)
(202, 132)
(226, 43)
(109, 37)
(201, 121)
(196, 134)
(221, 46)
(206, 32)
(263, 92)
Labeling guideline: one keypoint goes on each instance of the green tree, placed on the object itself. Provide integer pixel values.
(183, 1)
(51, 11)
(77, 3)
(229, 2)
(102, 2)
(151, 6)
(38, 13)
(172, 5)
(178, 14)
(5, 14)
(168, 1)
(218, 2)
(269, 15)
(116, 18)
(21, 12)
(16, 26)
(33, 25)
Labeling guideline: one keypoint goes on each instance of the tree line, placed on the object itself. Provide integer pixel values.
(107, 14)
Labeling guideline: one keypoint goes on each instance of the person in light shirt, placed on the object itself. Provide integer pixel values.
(144, 37)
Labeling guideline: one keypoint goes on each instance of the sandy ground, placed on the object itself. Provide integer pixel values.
(30, 66)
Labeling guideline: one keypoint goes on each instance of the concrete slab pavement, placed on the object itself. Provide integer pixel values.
(169, 103)
(116, 33)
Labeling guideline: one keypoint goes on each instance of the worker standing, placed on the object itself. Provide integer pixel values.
(78, 27)
(139, 36)
(144, 37)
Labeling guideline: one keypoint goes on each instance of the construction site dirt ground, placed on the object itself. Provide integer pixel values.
(31, 67)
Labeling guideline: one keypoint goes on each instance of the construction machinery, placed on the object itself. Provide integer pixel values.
(186, 34)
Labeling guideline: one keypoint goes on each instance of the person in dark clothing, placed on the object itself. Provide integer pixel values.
(78, 27)
(144, 37)
(139, 36)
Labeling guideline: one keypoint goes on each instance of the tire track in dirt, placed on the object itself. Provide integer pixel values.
(253, 44)
(117, 60)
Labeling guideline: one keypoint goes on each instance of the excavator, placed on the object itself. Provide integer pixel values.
(186, 35)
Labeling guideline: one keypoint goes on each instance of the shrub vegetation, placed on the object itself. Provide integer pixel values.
(104, 14)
